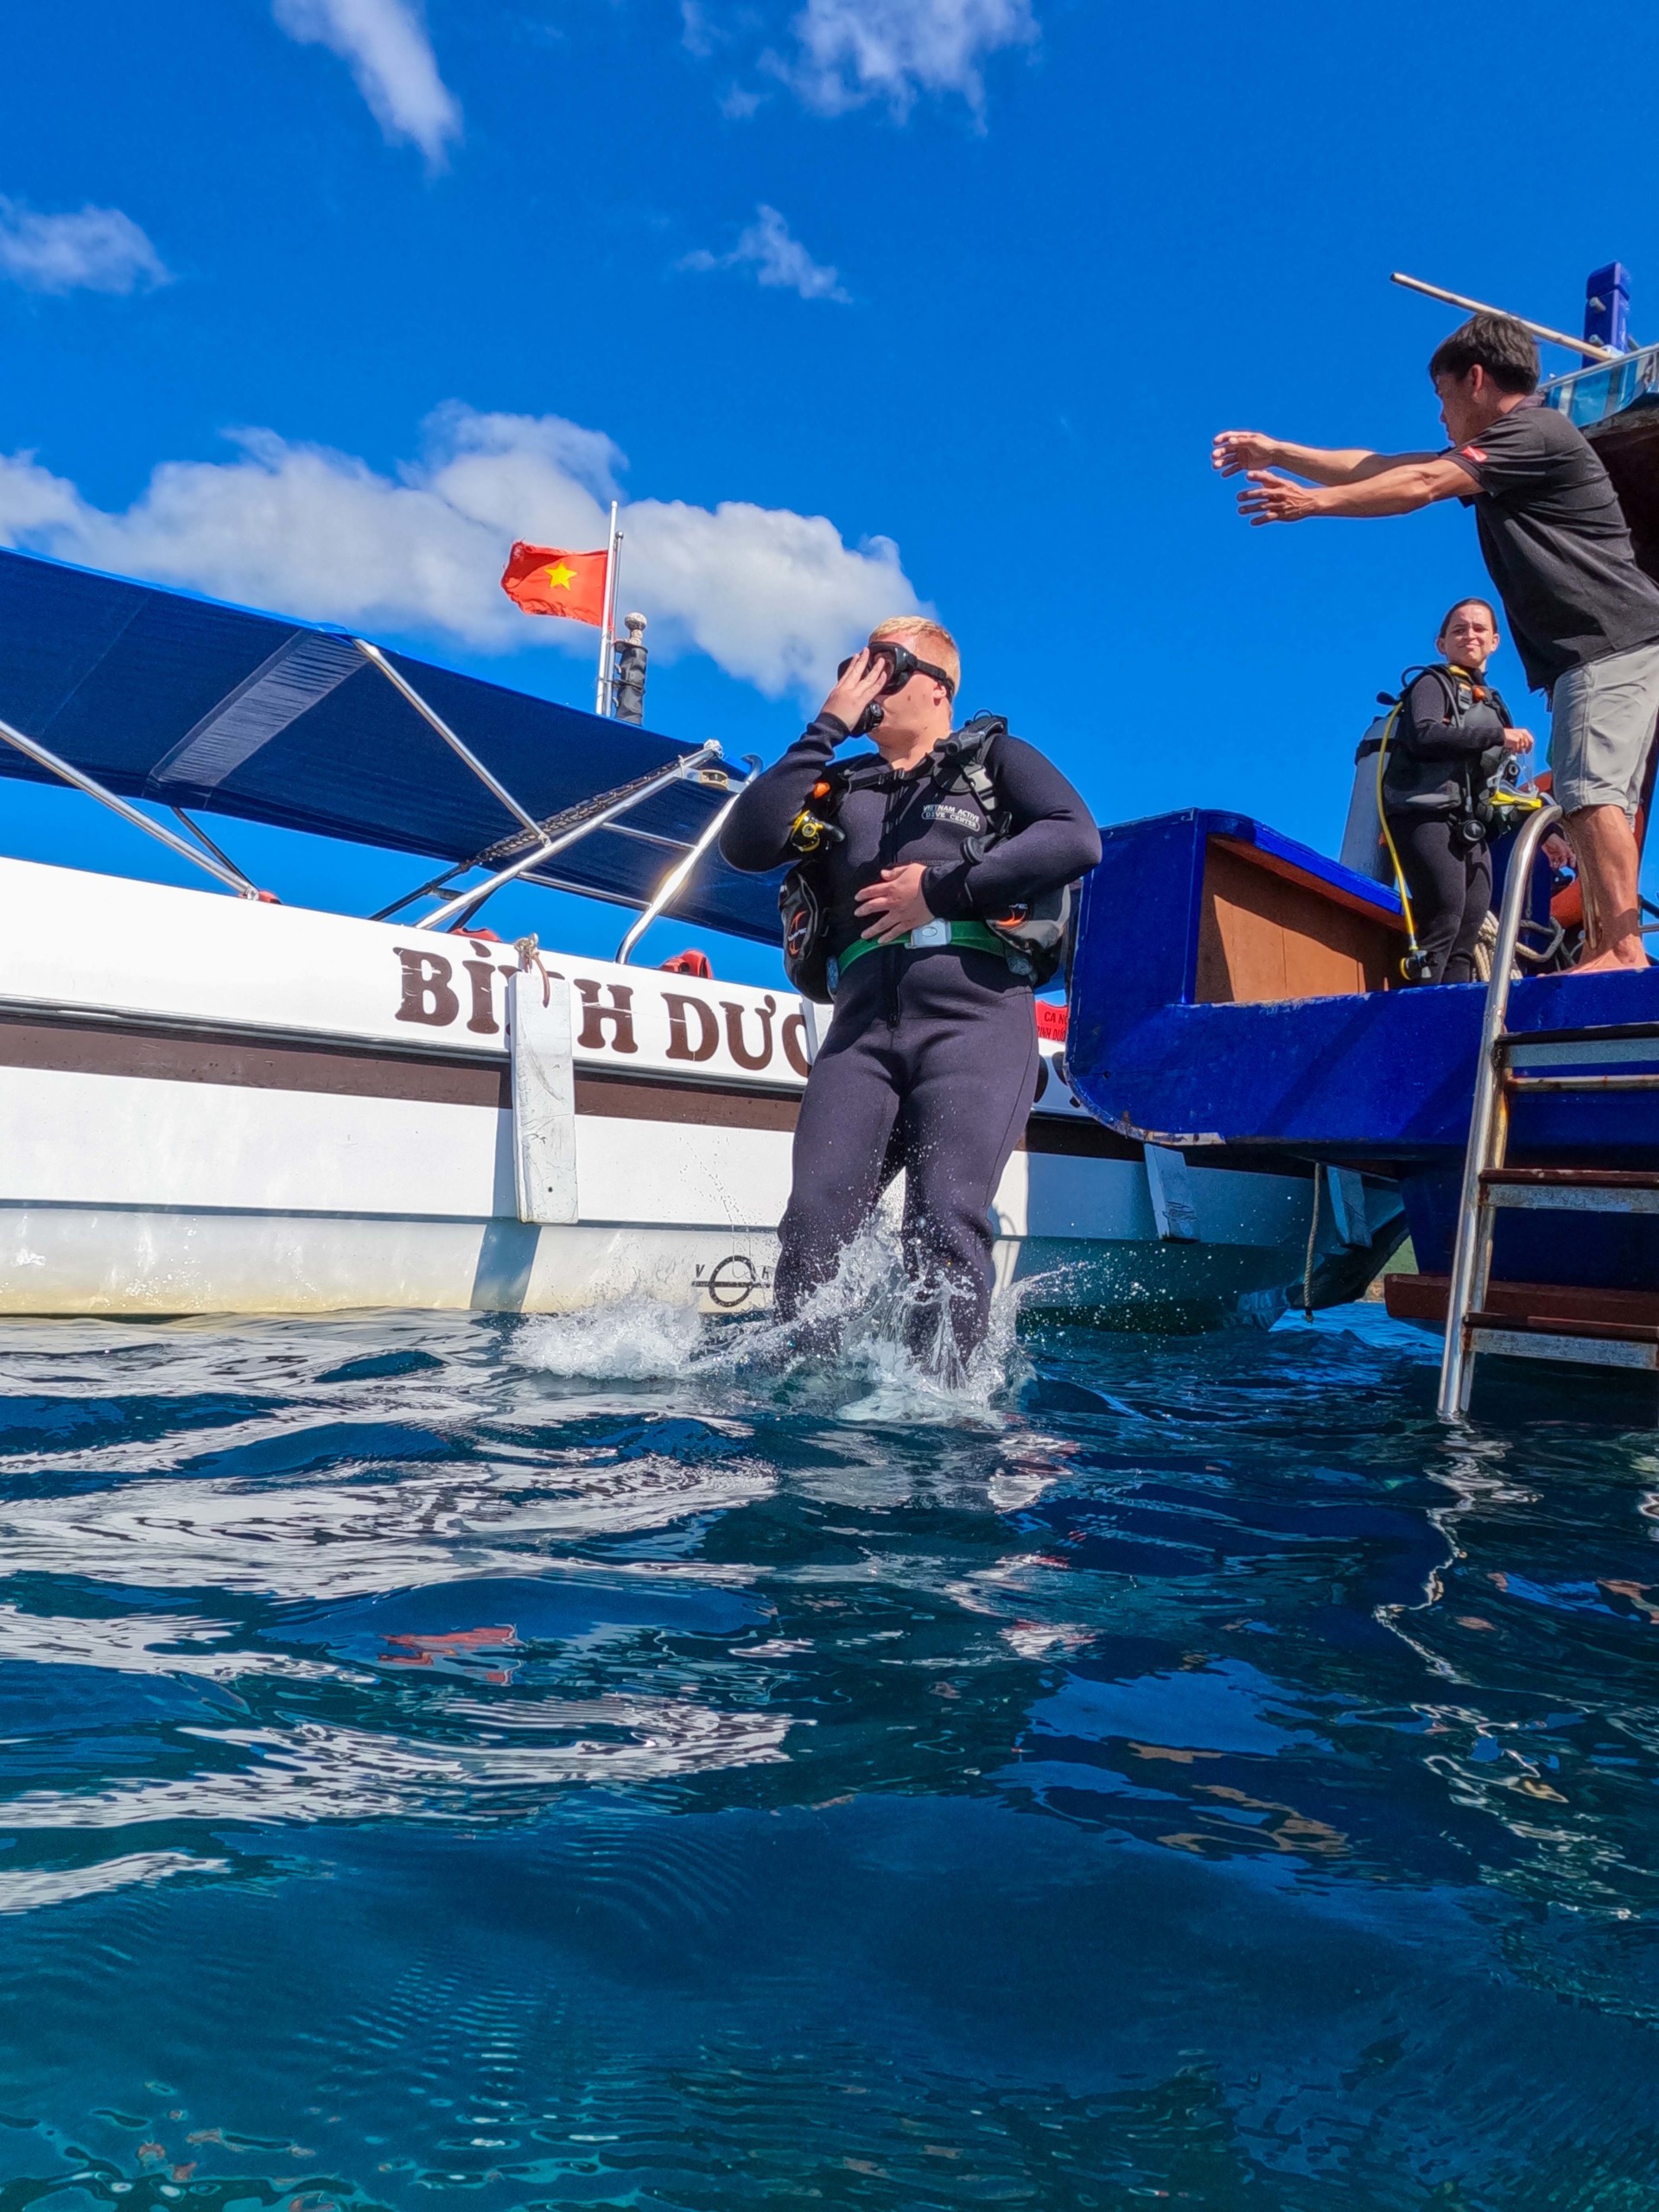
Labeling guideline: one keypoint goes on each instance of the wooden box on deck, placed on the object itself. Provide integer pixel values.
(1266, 931)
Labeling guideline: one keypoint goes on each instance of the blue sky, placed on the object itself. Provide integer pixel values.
(858, 303)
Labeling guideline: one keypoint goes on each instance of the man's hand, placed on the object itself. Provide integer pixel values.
(864, 682)
(1275, 498)
(1518, 741)
(1236, 449)
(895, 905)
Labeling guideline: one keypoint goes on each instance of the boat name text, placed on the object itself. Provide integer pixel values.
(433, 995)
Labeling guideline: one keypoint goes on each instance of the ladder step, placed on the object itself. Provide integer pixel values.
(1422, 1298)
(1591, 1343)
(1586, 1048)
(1567, 1324)
(1609, 1032)
(1648, 1081)
(1611, 1179)
(1572, 1190)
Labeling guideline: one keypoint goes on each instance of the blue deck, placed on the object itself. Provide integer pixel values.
(1383, 1078)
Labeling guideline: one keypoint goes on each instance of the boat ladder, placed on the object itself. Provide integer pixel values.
(1511, 1065)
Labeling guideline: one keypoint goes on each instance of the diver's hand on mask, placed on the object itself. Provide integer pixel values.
(861, 686)
(895, 905)
(1518, 741)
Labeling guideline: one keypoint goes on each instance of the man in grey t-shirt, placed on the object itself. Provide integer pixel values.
(1584, 616)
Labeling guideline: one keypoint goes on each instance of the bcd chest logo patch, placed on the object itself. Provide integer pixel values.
(957, 816)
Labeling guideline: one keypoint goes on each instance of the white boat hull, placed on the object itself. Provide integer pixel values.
(212, 1106)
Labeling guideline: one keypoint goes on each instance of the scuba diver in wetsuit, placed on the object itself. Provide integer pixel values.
(1451, 738)
(930, 1063)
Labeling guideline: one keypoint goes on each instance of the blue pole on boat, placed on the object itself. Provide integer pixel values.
(1607, 307)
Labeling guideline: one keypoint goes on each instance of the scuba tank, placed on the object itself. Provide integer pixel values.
(1036, 932)
(1364, 850)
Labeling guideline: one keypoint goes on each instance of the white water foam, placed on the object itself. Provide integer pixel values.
(638, 1339)
(866, 1311)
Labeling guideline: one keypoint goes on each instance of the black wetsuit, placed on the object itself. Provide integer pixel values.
(931, 1060)
(1443, 757)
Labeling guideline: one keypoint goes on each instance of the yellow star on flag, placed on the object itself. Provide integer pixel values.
(559, 576)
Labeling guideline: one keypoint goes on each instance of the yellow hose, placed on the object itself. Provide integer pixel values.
(1416, 950)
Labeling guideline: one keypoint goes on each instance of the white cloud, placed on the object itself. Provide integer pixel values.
(391, 59)
(99, 249)
(773, 596)
(852, 52)
(776, 257)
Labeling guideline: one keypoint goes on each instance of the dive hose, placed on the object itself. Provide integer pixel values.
(1414, 965)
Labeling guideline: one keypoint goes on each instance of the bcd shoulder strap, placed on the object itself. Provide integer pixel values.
(964, 752)
(1405, 729)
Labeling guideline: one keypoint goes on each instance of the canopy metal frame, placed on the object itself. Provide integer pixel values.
(77, 780)
(400, 682)
(539, 846)
(675, 881)
(542, 847)
(469, 901)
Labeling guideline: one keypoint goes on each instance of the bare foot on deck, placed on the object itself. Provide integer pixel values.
(1629, 954)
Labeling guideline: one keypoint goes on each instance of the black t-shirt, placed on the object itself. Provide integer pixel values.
(1556, 543)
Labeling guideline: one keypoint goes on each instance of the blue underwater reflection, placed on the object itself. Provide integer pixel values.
(534, 1763)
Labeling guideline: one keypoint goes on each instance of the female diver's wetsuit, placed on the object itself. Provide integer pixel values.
(931, 1060)
(1444, 759)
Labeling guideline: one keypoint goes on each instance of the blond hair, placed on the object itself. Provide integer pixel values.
(927, 639)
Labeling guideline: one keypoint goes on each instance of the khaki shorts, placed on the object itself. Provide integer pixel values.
(1602, 718)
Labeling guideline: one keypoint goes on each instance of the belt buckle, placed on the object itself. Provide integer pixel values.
(934, 932)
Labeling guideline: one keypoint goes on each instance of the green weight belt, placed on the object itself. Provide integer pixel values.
(974, 936)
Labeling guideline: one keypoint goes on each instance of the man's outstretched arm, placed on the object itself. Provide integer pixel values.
(1399, 489)
(1235, 450)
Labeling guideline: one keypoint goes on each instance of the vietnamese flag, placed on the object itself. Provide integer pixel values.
(543, 581)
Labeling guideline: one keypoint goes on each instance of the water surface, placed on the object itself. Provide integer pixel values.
(524, 1764)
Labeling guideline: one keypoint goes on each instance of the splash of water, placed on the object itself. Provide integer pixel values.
(869, 1346)
(636, 1339)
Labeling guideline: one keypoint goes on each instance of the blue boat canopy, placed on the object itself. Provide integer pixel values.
(165, 696)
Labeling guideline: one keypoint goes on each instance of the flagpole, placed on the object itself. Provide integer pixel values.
(601, 689)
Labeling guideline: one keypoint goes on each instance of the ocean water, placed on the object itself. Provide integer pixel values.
(489, 1763)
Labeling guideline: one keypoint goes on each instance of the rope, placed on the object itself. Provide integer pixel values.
(567, 820)
(1308, 1264)
(529, 949)
(570, 818)
(1485, 946)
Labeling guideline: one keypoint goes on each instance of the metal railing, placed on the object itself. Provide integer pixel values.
(469, 901)
(539, 844)
(1587, 397)
(1489, 1119)
(31, 748)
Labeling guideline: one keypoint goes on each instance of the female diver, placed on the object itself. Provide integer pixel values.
(1451, 739)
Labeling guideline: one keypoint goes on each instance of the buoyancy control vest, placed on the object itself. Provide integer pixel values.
(1419, 779)
(1032, 934)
